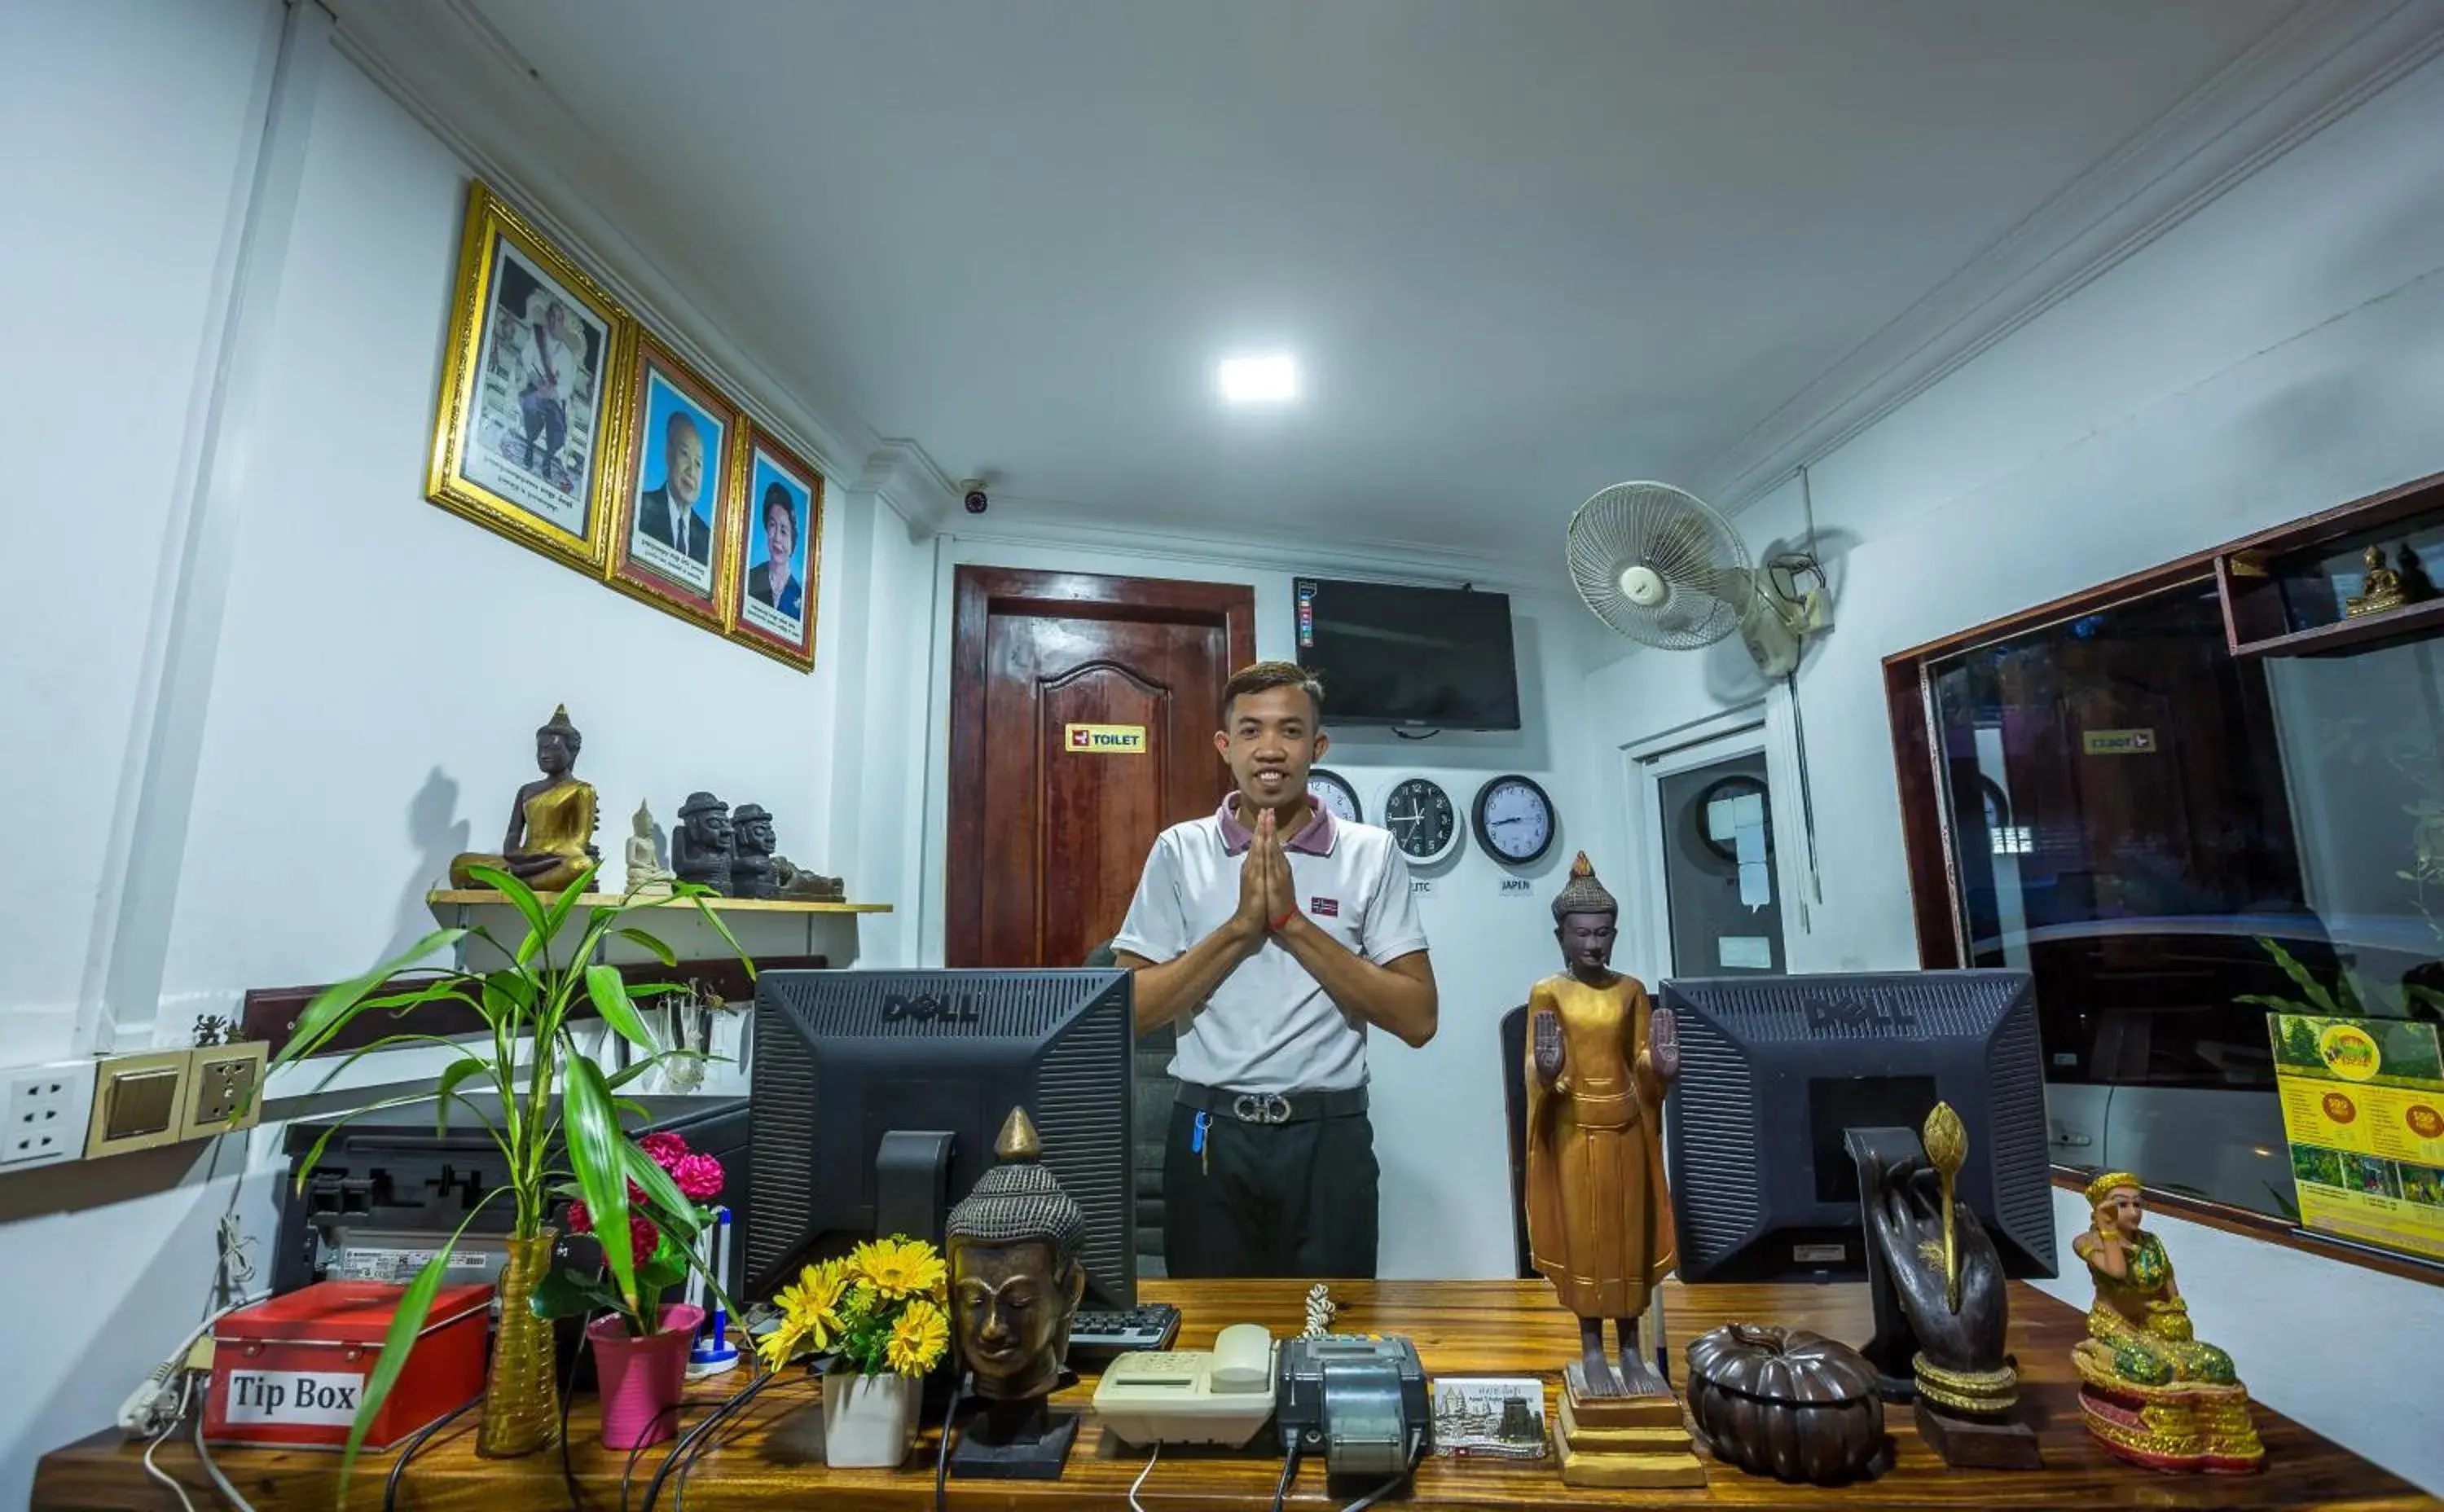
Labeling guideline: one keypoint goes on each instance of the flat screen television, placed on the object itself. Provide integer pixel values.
(1432, 658)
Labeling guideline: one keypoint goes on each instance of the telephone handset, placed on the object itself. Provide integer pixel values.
(1221, 1395)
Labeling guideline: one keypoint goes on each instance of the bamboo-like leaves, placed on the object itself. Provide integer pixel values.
(336, 1004)
(529, 908)
(592, 1126)
(610, 994)
(414, 1305)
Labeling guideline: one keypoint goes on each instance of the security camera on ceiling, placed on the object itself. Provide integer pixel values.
(972, 494)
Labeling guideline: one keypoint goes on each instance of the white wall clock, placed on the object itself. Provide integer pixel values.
(1424, 822)
(1338, 798)
(1514, 819)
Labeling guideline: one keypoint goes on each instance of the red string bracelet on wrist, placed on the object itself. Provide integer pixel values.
(1283, 919)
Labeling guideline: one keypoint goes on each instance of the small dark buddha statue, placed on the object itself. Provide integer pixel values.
(700, 848)
(750, 861)
(549, 843)
(1015, 1284)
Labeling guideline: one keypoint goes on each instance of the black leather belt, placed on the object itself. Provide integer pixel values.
(1274, 1107)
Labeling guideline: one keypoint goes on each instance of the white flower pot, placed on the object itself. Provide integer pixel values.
(869, 1421)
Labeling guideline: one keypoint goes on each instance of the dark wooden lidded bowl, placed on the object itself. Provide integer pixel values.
(1787, 1403)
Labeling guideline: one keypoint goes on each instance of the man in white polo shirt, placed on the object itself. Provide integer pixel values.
(1276, 936)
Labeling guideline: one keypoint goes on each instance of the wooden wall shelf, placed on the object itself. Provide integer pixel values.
(2250, 576)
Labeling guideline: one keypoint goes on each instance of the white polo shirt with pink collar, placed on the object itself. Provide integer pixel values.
(1270, 1027)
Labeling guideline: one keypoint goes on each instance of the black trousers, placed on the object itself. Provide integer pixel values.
(1284, 1199)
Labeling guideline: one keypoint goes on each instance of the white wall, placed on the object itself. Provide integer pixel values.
(2280, 352)
(1438, 1111)
(383, 663)
(112, 256)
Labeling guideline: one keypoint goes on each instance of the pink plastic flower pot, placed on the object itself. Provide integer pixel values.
(642, 1378)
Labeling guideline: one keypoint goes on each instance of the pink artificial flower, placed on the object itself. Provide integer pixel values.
(580, 1220)
(664, 1150)
(642, 1237)
(700, 1176)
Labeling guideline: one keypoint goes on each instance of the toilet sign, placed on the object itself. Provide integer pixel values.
(2120, 742)
(1105, 740)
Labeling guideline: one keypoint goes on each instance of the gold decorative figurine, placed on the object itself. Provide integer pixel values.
(2151, 1391)
(550, 839)
(2381, 591)
(1599, 1058)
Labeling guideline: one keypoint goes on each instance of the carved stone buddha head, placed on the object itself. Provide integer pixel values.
(1586, 921)
(557, 745)
(1015, 1276)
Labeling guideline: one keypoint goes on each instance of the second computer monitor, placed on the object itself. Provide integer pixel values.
(1773, 1070)
(844, 1058)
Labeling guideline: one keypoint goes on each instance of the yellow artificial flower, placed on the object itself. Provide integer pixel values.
(811, 1310)
(777, 1346)
(898, 1267)
(917, 1339)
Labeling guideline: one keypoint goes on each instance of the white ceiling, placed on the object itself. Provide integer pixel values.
(1521, 251)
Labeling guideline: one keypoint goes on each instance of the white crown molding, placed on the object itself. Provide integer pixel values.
(900, 473)
(1400, 562)
(460, 80)
(2319, 63)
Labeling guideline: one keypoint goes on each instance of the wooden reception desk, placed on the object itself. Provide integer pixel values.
(1461, 1328)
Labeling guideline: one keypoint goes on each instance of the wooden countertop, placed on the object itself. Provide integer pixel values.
(1461, 1328)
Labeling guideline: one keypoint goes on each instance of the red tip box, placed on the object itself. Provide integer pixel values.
(289, 1373)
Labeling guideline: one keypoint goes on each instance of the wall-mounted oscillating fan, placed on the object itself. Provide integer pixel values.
(1659, 565)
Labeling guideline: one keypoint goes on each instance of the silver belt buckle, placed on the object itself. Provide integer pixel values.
(1261, 1107)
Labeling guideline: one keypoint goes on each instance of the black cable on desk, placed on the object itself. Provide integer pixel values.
(630, 1468)
(569, 1390)
(942, 1448)
(698, 1440)
(1289, 1468)
(389, 1487)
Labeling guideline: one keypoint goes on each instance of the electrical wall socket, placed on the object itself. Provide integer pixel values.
(44, 1111)
(222, 1079)
(139, 1103)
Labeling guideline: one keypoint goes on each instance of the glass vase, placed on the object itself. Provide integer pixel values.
(522, 1394)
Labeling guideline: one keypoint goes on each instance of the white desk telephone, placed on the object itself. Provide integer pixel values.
(1221, 1395)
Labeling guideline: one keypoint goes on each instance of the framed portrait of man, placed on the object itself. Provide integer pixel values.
(674, 545)
(526, 428)
(782, 541)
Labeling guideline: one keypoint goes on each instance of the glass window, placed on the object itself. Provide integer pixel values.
(1717, 832)
(2171, 839)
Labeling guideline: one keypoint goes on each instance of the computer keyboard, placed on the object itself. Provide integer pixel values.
(1098, 1335)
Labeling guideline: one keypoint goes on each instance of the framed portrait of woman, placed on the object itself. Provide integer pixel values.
(673, 542)
(780, 545)
(526, 428)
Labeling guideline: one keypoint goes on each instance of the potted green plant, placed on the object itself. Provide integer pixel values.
(554, 1104)
(879, 1314)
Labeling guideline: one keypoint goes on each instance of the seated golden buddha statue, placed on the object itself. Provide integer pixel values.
(2155, 1392)
(549, 842)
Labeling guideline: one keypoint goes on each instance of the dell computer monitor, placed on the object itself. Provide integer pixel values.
(845, 1058)
(1773, 1070)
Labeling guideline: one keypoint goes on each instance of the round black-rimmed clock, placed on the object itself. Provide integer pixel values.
(1333, 791)
(1424, 822)
(1514, 819)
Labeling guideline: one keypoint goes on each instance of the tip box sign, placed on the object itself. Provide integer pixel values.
(2120, 742)
(1105, 740)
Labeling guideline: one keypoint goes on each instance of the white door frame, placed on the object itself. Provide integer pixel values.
(1644, 764)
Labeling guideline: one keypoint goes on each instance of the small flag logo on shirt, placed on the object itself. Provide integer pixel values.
(1325, 908)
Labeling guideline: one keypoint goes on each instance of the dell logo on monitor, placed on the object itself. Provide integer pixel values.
(1849, 1012)
(929, 1009)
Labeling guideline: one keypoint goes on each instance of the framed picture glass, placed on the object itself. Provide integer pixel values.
(782, 540)
(675, 543)
(526, 429)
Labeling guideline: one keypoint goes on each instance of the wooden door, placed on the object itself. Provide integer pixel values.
(1046, 840)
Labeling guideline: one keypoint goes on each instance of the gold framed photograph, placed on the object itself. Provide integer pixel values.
(526, 432)
(675, 540)
(781, 540)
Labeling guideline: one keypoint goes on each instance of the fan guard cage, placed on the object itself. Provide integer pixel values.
(1700, 559)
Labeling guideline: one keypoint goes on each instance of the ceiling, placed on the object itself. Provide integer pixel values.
(1520, 250)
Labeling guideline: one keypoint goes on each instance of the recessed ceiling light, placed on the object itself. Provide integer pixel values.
(1271, 380)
